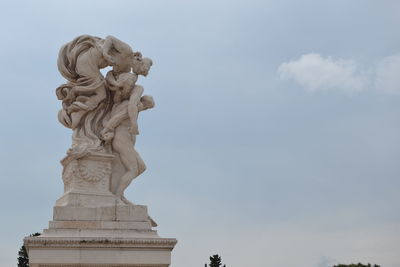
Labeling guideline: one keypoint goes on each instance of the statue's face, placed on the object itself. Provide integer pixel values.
(141, 66)
(123, 61)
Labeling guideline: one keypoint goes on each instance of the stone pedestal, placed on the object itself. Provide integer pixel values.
(92, 227)
(99, 251)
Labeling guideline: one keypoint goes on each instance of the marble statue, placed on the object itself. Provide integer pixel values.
(93, 222)
(103, 112)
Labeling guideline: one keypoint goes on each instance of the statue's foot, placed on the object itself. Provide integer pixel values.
(120, 202)
(123, 198)
(107, 134)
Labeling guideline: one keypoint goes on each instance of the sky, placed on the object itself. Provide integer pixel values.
(275, 140)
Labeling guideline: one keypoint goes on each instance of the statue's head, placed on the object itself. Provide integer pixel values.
(122, 59)
(140, 65)
(120, 56)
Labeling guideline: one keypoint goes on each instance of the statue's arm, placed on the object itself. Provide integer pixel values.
(116, 119)
(136, 94)
(112, 81)
(110, 43)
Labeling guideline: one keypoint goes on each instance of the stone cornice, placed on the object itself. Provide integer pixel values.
(99, 242)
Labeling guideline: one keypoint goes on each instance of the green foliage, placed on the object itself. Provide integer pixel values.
(215, 261)
(356, 265)
(23, 259)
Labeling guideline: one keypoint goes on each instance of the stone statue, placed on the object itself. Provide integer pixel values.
(93, 223)
(103, 112)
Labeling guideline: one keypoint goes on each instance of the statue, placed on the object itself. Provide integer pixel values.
(93, 222)
(103, 112)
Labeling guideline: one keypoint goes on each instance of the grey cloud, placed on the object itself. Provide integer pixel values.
(243, 157)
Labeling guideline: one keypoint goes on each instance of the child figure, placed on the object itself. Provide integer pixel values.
(124, 88)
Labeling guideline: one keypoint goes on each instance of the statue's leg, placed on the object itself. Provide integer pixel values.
(123, 143)
(133, 111)
(128, 177)
(133, 114)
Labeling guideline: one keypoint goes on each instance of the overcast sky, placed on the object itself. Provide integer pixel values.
(275, 141)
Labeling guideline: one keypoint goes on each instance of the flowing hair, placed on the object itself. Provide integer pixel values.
(78, 88)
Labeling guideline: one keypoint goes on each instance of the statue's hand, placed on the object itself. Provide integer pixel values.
(78, 106)
(109, 76)
(107, 134)
(147, 102)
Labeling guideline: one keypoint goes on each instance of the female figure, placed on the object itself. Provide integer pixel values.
(86, 100)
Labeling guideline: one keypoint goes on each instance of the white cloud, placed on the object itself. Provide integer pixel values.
(316, 73)
(387, 77)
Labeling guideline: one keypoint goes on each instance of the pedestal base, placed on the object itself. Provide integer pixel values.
(105, 252)
(99, 243)
(91, 237)
(92, 227)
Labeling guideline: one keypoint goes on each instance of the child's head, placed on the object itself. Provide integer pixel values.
(141, 66)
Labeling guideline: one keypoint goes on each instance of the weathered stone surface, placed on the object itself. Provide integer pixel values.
(104, 225)
(102, 112)
(45, 251)
(93, 223)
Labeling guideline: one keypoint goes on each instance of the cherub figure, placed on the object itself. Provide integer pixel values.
(124, 87)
